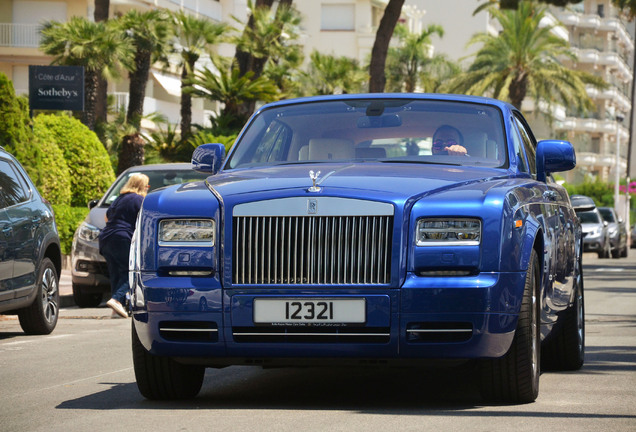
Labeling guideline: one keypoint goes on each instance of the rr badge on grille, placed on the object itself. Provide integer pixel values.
(314, 176)
(312, 206)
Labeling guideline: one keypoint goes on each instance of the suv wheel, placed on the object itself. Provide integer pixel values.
(41, 316)
(86, 299)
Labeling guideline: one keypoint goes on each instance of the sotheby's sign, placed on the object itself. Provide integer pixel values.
(56, 88)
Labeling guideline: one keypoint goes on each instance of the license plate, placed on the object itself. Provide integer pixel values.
(299, 310)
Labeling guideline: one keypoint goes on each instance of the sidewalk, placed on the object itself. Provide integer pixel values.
(66, 290)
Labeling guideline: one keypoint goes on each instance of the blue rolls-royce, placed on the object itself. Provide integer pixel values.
(374, 229)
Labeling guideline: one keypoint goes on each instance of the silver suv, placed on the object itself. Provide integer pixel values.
(617, 232)
(595, 230)
(89, 271)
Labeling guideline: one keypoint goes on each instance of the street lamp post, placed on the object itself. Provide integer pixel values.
(619, 120)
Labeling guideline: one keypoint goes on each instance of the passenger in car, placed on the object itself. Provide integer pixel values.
(448, 140)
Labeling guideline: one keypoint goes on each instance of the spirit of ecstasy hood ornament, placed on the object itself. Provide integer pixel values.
(314, 176)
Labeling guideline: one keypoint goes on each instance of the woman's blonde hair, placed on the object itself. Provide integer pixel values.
(137, 183)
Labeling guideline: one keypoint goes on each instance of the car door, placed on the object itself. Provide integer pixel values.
(560, 234)
(17, 195)
(6, 253)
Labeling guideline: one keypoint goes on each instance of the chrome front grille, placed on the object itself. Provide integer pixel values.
(312, 250)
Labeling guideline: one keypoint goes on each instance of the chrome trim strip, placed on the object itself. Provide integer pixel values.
(327, 206)
(439, 330)
(195, 330)
(312, 334)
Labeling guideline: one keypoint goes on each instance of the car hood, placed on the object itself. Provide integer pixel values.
(392, 181)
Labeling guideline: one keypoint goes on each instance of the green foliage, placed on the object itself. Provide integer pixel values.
(207, 136)
(525, 59)
(55, 180)
(328, 74)
(67, 219)
(90, 169)
(602, 193)
(15, 131)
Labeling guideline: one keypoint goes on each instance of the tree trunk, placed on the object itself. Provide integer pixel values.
(131, 152)
(186, 101)
(101, 10)
(137, 90)
(90, 98)
(517, 90)
(101, 104)
(377, 77)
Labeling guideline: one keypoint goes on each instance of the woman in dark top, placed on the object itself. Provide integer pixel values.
(114, 239)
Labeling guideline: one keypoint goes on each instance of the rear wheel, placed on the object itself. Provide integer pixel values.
(514, 378)
(162, 377)
(41, 317)
(84, 298)
(565, 350)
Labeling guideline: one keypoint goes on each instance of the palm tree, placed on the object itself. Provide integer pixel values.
(267, 41)
(194, 36)
(96, 46)
(233, 90)
(328, 74)
(405, 62)
(149, 32)
(525, 59)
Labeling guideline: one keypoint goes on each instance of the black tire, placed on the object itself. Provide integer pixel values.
(565, 349)
(514, 378)
(606, 251)
(625, 251)
(86, 299)
(162, 378)
(616, 253)
(41, 316)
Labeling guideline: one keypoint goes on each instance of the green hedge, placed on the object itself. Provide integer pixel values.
(15, 131)
(55, 180)
(67, 219)
(87, 159)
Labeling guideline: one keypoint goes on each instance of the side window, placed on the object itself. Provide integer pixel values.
(11, 188)
(523, 166)
(529, 144)
(274, 144)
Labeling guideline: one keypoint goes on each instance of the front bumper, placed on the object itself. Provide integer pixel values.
(88, 266)
(197, 321)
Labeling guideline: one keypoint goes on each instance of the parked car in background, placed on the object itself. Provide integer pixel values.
(30, 255)
(617, 231)
(88, 267)
(596, 237)
(333, 234)
(633, 236)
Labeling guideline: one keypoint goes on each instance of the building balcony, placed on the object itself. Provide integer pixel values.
(19, 35)
(595, 22)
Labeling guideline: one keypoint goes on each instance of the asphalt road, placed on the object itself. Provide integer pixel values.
(81, 378)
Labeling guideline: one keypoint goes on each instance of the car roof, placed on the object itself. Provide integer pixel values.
(160, 167)
(582, 203)
(406, 96)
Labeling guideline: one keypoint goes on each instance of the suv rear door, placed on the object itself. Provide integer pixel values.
(16, 195)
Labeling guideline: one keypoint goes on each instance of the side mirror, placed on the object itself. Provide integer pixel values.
(554, 156)
(92, 203)
(207, 158)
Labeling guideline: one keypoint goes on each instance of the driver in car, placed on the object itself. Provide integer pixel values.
(447, 140)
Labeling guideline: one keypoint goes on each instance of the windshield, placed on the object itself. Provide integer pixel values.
(384, 130)
(589, 217)
(607, 214)
(159, 178)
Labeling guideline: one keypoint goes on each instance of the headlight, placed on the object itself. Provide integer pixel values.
(448, 231)
(88, 232)
(186, 232)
